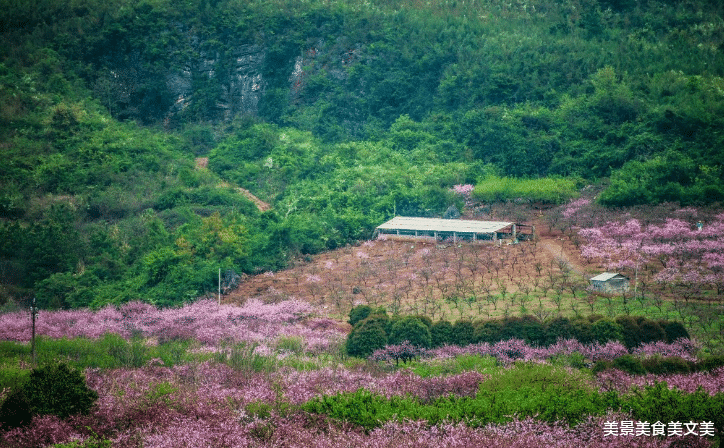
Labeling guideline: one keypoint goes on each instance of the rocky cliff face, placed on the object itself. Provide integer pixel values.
(214, 81)
(214, 86)
(237, 82)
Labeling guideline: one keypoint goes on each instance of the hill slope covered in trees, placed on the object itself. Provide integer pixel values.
(337, 113)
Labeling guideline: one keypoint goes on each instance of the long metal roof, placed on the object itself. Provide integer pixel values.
(443, 225)
(607, 276)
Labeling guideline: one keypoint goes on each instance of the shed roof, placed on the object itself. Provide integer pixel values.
(607, 276)
(443, 225)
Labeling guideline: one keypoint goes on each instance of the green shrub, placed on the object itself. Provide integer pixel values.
(15, 410)
(604, 330)
(410, 329)
(629, 364)
(528, 328)
(173, 352)
(576, 360)
(13, 377)
(558, 328)
(488, 331)
(425, 320)
(463, 332)
(651, 331)
(367, 336)
(659, 403)
(582, 331)
(631, 331)
(670, 364)
(358, 313)
(674, 331)
(441, 333)
(11, 350)
(259, 409)
(601, 365)
(59, 390)
(389, 322)
(710, 363)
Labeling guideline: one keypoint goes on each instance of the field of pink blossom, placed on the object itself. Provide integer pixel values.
(204, 321)
(512, 350)
(220, 403)
(212, 405)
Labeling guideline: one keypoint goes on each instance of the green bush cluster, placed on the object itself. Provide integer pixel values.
(639, 330)
(411, 329)
(659, 365)
(711, 363)
(527, 390)
(660, 403)
(368, 335)
(56, 389)
(376, 329)
(628, 330)
(373, 329)
(550, 190)
(546, 392)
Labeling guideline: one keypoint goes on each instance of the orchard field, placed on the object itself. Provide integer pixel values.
(155, 150)
(675, 271)
(271, 365)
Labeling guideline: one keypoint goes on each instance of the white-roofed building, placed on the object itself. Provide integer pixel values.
(610, 283)
(456, 229)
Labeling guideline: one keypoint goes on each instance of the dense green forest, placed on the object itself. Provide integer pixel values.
(338, 113)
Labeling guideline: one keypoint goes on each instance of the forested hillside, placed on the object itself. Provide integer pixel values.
(336, 113)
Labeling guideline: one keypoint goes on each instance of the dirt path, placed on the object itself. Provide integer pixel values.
(261, 205)
(560, 247)
(555, 248)
(203, 162)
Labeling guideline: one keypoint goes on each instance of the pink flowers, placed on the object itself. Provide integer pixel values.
(506, 352)
(674, 252)
(682, 348)
(575, 206)
(463, 190)
(203, 320)
(616, 380)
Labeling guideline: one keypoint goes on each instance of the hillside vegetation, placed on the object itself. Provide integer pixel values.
(339, 114)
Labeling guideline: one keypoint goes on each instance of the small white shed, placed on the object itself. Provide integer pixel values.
(610, 283)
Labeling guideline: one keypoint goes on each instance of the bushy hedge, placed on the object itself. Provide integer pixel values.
(463, 332)
(631, 331)
(659, 403)
(368, 335)
(412, 330)
(441, 333)
(604, 330)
